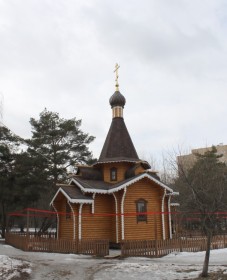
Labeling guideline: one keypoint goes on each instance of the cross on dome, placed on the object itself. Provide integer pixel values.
(117, 66)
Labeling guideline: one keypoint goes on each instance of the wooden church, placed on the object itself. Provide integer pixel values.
(119, 197)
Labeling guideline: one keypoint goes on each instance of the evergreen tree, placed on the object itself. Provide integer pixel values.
(203, 190)
(57, 144)
(8, 149)
(20, 185)
(28, 182)
(27, 179)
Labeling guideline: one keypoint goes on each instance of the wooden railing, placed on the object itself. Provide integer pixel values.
(34, 243)
(158, 248)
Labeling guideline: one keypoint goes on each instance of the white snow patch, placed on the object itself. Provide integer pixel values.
(157, 271)
(175, 266)
(146, 271)
(11, 268)
(7, 246)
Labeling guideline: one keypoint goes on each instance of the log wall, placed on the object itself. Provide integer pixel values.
(121, 169)
(101, 224)
(152, 229)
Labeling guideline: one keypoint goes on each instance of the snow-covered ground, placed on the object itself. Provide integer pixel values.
(15, 264)
(11, 268)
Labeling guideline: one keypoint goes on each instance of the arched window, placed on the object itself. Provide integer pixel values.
(141, 209)
(113, 174)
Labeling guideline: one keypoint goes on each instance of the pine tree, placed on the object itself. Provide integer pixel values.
(8, 148)
(57, 144)
(20, 183)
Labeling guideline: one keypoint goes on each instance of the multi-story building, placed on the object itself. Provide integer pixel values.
(187, 161)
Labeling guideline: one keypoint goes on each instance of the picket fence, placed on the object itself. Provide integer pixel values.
(129, 248)
(36, 243)
(159, 248)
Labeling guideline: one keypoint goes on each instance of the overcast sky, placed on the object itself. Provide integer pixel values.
(60, 54)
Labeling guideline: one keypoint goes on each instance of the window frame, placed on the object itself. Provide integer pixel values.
(141, 217)
(113, 174)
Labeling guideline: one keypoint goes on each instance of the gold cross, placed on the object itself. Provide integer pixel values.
(116, 80)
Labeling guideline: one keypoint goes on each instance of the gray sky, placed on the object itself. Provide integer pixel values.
(61, 55)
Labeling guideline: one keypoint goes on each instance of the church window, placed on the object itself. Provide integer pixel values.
(141, 209)
(113, 174)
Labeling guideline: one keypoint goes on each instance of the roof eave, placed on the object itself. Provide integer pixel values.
(72, 200)
(116, 189)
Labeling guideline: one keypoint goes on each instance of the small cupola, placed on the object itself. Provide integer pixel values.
(117, 100)
(118, 146)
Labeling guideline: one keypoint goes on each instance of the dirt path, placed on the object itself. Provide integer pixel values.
(51, 266)
(47, 266)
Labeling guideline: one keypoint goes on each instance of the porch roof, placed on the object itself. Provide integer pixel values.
(74, 195)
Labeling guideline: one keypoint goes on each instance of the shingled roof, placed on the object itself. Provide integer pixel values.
(74, 195)
(97, 186)
(118, 145)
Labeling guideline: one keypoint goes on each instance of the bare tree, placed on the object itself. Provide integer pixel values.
(162, 166)
(203, 192)
(168, 170)
(150, 159)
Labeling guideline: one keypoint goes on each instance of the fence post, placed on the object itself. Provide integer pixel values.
(156, 248)
(27, 233)
(181, 249)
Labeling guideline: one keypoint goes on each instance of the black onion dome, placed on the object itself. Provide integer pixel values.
(117, 99)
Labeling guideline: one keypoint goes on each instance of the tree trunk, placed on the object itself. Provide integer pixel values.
(3, 221)
(207, 256)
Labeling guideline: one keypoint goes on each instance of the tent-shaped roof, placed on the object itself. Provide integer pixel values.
(118, 145)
